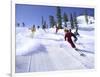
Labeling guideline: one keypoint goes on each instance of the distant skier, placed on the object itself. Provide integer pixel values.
(68, 35)
(57, 28)
(33, 29)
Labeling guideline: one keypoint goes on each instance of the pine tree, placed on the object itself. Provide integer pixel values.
(86, 16)
(71, 21)
(59, 18)
(75, 23)
(44, 25)
(52, 21)
(65, 19)
(75, 20)
(42, 22)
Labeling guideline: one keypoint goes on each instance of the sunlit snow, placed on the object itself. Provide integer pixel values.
(48, 51)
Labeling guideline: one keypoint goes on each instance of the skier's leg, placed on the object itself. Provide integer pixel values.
(56, 31)
(75, 40)
(72, 44)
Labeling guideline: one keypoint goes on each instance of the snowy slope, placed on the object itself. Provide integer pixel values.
(83, 25)
(48, 51)
(81, 20)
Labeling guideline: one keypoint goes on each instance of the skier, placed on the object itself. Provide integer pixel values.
(57, 28)
(76, 32)
(75, 38)
(33, 30)
(68, 35)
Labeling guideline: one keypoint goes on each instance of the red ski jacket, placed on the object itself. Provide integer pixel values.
(68, 35)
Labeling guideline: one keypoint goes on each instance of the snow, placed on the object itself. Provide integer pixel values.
(81, 19)
(47, 51)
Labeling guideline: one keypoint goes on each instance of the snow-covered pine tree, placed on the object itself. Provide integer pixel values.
(65, 19)
(59, 18)
(86, 15)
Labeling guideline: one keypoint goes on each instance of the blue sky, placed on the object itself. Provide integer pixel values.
(31, 14)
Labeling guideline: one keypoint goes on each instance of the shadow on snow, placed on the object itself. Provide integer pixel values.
(82, 50)
(40, 49)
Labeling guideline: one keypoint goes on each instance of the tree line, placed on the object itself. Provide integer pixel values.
(59, 19)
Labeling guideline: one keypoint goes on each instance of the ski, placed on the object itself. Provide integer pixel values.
(80, 52)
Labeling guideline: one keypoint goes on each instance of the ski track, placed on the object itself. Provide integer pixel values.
(57, 56)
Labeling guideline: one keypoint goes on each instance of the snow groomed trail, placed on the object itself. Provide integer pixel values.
(47, 51)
